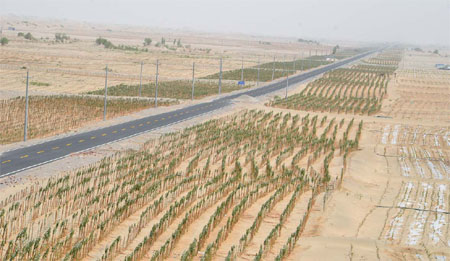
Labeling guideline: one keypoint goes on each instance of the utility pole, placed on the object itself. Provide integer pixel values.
(242, 71)
(257, 83)
(106, 92)
(287, 77)
(287, 84)
(140, 81)
(156, 84)
(295, 69)
(310, 62)
(301, 61)
(220, 76)
(273, 67)
(193, 80)
(26, 111)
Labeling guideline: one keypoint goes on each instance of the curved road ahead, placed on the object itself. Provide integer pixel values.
(24, 158)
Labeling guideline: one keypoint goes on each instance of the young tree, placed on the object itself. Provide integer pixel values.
(335, 49)
(29, 36)
(4, 41)
(104, 42)
(147, 41)
(61, 37)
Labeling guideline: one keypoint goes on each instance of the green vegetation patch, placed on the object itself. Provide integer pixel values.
(4, 41)
(109, 45)
(180, 89)
(266, 70)
(40, 83)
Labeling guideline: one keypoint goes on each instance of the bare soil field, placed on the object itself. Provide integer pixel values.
(419, 91)
(77, 65)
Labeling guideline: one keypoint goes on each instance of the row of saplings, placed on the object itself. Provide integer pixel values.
(343, 90)
(66, 217)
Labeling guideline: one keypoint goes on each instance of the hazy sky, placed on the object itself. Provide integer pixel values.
(413, 21)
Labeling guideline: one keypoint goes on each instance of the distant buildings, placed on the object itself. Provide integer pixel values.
(442, 66)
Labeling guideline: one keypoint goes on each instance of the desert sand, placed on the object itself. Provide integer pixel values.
(394, 201)
(78, 65)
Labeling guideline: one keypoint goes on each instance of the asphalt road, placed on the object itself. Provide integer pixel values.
(21, 159)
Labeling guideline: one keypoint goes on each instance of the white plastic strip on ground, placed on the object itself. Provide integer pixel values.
(404, 152)
(437, 225)
(419, 168)
(395, 134)
(385, 136)
(417, 165)
(420, 217)
(446, 138)
(406, 171)
(444, 165)
(446, 168)
(441, 154)
(419, 257)
(436, 140)
(413, 141)
(435, 171)
(405, 135)
(405, 201)
(396, 223)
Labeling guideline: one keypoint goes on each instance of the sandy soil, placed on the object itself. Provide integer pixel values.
(393, 203)
(419, 91)
(78, 66)
(394, 200)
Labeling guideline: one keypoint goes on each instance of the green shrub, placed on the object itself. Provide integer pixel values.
(61, 37)
(29, 36)
(4, 41)
(147, 41)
